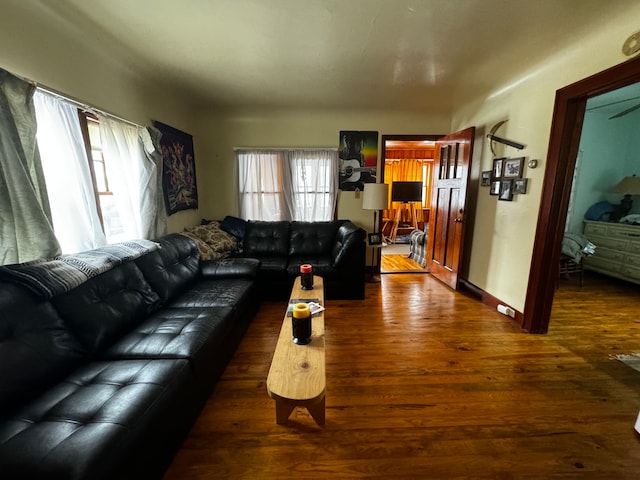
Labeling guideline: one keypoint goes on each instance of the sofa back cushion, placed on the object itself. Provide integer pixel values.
(107, 306)
(266, 239)
(312, 238)
(36, 349)
(173, 268)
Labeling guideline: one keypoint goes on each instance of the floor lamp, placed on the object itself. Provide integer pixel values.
(375, 197)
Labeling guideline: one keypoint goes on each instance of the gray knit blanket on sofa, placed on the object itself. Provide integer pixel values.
(48, 278)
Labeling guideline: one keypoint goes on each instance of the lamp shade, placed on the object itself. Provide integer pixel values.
(375, 196)
(627, 186)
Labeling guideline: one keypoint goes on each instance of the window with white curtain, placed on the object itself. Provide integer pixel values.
(74, 211)
(102, 176)
(107, 207)
(287, 184)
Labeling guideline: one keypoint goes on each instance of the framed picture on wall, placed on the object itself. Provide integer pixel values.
(358, 159)
(506, 190)
(496, 172)
(520, 186)
(495, 188)
(486, 179)
(178, 169)
(513, 167)
(375, 239)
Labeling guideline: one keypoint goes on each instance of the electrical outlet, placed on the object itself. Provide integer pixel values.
(503, 309)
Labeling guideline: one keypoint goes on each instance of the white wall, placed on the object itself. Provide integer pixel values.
(504, 231)
(221, 132)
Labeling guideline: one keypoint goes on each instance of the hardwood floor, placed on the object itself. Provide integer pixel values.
(399, 264)
(394, 259)
(424, 382)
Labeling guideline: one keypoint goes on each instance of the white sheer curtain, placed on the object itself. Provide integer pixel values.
(311, 178)
(287, 184)
(132, 178)
(261, 196)
(64, 160)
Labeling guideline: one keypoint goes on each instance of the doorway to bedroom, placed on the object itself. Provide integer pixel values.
(407, 168)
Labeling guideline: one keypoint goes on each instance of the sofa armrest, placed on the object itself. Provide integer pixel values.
(418, 237)
(348, 238)
(230, 268)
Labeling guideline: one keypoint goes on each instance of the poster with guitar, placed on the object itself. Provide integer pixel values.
(358, 159)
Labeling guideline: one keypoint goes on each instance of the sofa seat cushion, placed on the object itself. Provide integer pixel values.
(226, 292)
(273, 267)
(237, 293)
(236, 267)
(95, 418)
(104, 308)
(190, 333)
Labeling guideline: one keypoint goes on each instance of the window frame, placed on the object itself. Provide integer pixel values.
(84, 117)
(286, 190)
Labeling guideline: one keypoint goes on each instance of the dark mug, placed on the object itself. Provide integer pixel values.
(301, 324)
(306, 276)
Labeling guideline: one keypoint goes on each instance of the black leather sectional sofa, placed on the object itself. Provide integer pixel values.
(336, 250)
(102, 378)
(104, 381)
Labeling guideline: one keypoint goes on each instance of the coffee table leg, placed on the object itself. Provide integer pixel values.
(317, 411)
(283, 410)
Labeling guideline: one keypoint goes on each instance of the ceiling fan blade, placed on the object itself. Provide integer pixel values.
(624, 112)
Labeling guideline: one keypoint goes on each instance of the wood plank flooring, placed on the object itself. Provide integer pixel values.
(399, 264)
(424, 382)
(395, 259)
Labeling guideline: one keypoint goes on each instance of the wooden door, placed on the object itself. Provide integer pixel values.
(452, 160)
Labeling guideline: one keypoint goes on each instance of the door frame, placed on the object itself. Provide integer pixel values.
(564, 141)
(399, 138)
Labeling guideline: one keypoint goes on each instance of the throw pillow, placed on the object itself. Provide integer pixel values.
(206, 252)
(221, 243)
(234, 226)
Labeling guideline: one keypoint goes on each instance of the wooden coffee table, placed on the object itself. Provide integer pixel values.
(297, 374)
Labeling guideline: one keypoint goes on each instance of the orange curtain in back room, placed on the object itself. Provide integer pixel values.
(408, 170)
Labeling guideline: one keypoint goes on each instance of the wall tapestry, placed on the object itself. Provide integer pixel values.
(358, 154)
(178, 169)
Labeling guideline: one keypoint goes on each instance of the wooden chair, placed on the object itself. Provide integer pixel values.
(568, 267)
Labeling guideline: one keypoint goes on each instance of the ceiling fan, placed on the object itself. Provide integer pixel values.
(619, 99)
(625, 112)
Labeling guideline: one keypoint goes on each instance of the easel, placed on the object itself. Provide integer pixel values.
(413, 223)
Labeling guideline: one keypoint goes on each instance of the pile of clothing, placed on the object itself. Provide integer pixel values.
(576, 246)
